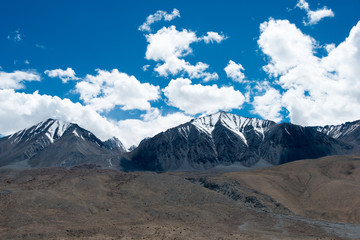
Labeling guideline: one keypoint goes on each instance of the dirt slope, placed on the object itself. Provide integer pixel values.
(326, 188)
(90, 203)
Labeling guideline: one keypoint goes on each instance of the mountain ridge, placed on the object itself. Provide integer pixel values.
(225, 139)
(220, 140)
(348, 132)
(47, 139)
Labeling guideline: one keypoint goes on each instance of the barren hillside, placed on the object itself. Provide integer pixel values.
(90, 203)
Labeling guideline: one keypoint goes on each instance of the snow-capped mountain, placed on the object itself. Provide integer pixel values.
(57, 143)
(226, 139)
(51, 130)
(347, 132)
(220, 139)
(115, 144)
(237, 124)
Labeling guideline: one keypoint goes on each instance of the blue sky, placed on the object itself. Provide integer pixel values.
(311, 78)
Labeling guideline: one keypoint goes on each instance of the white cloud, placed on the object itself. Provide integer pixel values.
(233, 71)
(208, 76)
(27, 62)
(345, 58)
(24, 110)
(169, 42)
(15, 36)
(314, 17)
(152, 123)
(213, 37)
(197, 98)
(106, 90)
(64, 75)
(317, 91)
(286, 46)
(16, 79)
(329, 47)
(158, 16)
(170, 46)
(145, 67)
(268, 105)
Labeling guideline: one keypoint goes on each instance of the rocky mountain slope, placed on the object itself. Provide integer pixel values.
(56, 143)
(228, 139)
(347, 132)
(217, 141)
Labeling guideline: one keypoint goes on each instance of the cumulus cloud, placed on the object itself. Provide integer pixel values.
(268, 105)
(329, 47)
(64, 75)
(314, 17)
(158, 16)
(213, 37)
(197, 98)
(316, 91)
(151, 124)
(234, 71)
(286, 46)
(16, 79)
(169, 46)
(23, 110)
(168, 42)
(106, 90)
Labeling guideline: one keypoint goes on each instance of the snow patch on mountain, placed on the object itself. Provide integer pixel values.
(114, 143)
(52, 129)
(207, 123)
(338, 131)
(237, 124)
(56, 129)
(77, 134)
(184, 131)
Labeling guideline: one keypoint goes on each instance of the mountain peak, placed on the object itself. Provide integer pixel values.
(225, 139)
(115, 144)
(56, 128)
(231, 121)
(52, 128)
(348, 132)
(55, 142)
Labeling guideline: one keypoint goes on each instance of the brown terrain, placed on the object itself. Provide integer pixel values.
(308, 199)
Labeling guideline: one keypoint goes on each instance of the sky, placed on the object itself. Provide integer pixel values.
(132, 69)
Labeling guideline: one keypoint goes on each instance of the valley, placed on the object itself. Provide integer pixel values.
(308, 199)
(220, 176)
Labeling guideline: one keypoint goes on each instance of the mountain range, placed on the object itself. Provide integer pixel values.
(224, 139)
(217, 141)
(56, 143)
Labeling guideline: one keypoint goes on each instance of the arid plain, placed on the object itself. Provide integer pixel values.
(308, 199)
